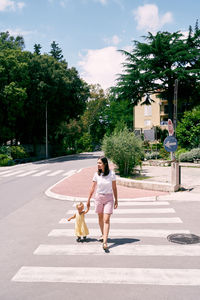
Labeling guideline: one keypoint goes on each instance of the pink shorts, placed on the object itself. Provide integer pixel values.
(104, 203)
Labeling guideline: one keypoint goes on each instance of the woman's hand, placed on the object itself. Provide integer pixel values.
(116, 204)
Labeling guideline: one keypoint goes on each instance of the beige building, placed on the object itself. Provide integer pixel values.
(149, 116)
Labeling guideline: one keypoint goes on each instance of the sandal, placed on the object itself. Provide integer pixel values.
(105, 247)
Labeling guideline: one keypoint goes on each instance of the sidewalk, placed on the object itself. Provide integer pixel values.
(76, 187)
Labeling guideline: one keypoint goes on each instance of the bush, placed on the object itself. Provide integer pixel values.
(6, 160)
(124, 149)
(18, 152)
(152, 155)
(5, 150)
(195, 153)
(179, 152)
(190, 156)
(85, 142)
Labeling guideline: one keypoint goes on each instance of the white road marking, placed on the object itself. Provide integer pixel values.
(134, 211)
(13, 173)
(41, 173)
(70, 173)
(55, 173)
(132, 220)
(117, 249)
(5, 172)
(162, 233)
(184, 277)
(27, 173)
(136, 203)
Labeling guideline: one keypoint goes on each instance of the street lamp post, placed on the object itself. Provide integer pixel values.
(46, 117)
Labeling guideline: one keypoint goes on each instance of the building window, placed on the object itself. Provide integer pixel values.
(147, 122)
(147, 110)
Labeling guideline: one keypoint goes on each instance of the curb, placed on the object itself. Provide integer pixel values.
(147, 185)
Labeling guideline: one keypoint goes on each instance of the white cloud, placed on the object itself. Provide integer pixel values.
(114, 40)
(101, 66)
(148, 18)
(10, 5)
(18, 31)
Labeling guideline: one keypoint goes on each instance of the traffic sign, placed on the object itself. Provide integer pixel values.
(170, 144)
(170, 127)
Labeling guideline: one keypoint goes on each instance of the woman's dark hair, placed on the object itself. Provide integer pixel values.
(106, 169)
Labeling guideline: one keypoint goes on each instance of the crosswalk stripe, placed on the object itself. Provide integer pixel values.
(41, 173)
(5, 172)
(134, 203)
(132, 220)
(27, 173)
(162, 233)
(55, 173)
(117, 249)
(150, 276)
(134, 211)
(13, 173)
(70, 173)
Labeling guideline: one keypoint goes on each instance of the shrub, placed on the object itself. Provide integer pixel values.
(195, 153)
(5, 150)
(85, 142)
(152, 155)
(179, 152)
(190, 156)
(164, 154)
(6, 160)
(124, 149)
(18, 152)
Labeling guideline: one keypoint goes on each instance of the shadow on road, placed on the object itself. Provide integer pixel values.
(81, 156)
(121, 241)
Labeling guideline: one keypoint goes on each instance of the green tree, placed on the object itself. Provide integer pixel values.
(37, 49)
(57, 88)
(9, 42)
(29, 84)
(188, 129)
(119, 113)
(56, 51)
(94, 119)
(13, 82)
(152, 66)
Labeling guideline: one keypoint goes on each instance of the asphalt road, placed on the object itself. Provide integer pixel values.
(30, 222)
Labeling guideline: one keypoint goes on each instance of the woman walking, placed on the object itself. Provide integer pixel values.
(105, 181)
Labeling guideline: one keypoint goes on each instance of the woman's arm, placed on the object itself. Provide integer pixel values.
(114, 187)
(90, 194)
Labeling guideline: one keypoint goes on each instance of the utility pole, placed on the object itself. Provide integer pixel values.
(175, 105)
(46, 116)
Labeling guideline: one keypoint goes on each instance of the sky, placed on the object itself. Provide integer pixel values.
(90, 32)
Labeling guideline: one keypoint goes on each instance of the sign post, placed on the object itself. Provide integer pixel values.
(170, 145)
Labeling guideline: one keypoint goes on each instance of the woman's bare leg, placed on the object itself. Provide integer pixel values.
(101, 222)
(106, 227)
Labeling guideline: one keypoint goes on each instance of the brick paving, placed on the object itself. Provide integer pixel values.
(79, 184)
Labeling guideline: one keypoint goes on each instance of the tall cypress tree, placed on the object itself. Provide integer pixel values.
(56, 51)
